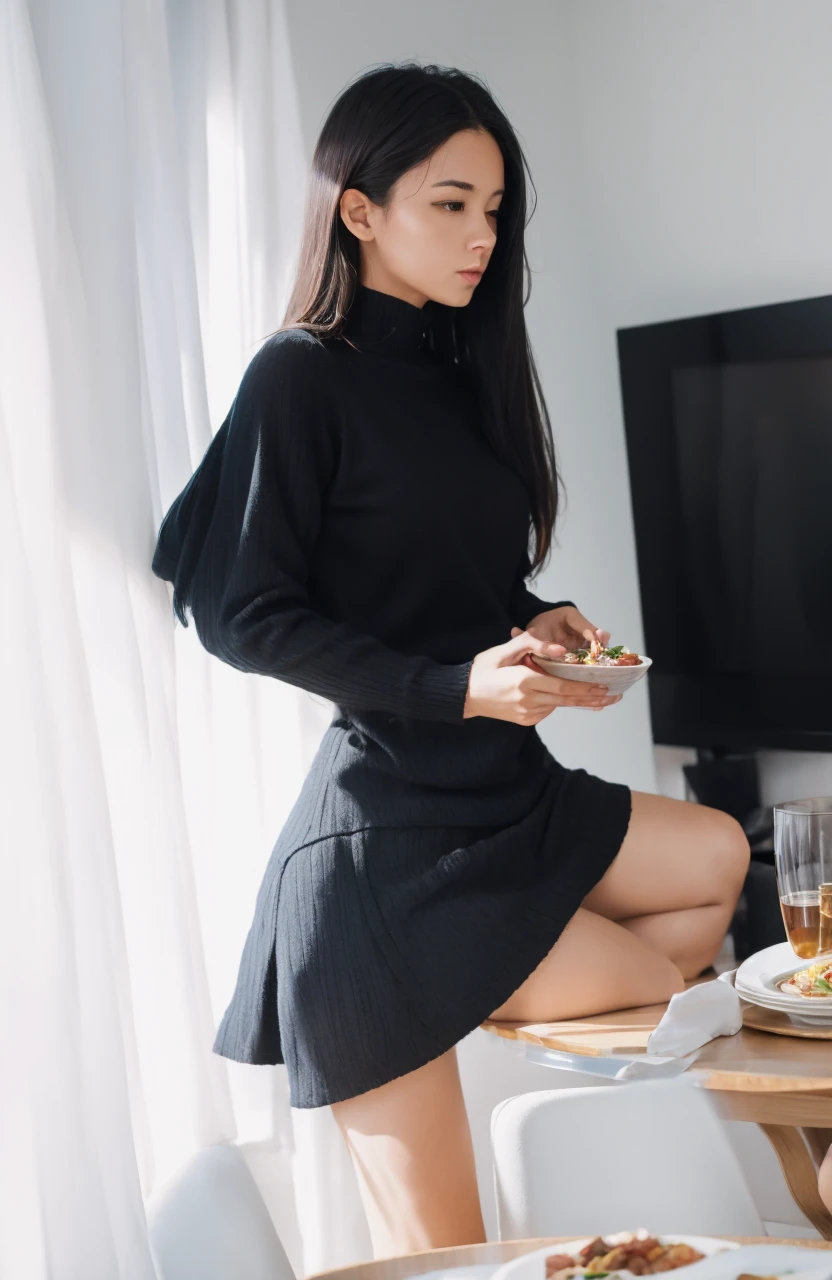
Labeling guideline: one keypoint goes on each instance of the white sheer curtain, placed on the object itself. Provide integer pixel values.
(152, 185)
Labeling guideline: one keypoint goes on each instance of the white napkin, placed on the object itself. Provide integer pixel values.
(650, 1066)
(696, 1016)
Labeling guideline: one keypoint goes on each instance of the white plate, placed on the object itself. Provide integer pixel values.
(769, 989)
(803, 1014)
(531, 1266)
(762, 991)
(617, 679)
(761, 971)
(787, 1006)
(806, 1006)
(757, 980)
(796, 1019)
(476, 1271)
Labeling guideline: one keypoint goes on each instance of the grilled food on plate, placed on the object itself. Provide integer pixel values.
(814, 981)
(643, 1256)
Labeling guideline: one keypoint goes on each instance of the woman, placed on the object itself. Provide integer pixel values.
(359, 528)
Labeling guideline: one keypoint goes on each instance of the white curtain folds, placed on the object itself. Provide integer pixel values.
(152, 187)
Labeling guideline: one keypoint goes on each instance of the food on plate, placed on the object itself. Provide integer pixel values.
(599, 656)
(642, 1255)
(749, 1275)
(814, 981)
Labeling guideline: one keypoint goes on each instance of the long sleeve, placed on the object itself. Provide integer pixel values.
(525, 605)
(250, 597)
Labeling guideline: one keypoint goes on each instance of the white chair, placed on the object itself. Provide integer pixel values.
(652, 1154)
(210, 1222)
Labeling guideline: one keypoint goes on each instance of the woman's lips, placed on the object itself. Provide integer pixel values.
(471, 277)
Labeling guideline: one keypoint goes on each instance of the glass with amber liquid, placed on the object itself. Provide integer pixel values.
(803, 862)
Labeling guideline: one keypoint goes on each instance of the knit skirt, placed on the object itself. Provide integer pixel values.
(389, 923)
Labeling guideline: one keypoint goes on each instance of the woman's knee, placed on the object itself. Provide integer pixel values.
(675, 855)
(728, 855)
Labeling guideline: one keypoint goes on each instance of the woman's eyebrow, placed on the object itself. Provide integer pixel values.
(465, 186)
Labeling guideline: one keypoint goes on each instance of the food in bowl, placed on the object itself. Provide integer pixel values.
(641, 1255)
(598, 655)
(811, 982)
(607, 669)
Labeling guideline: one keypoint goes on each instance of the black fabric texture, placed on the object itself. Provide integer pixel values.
(355, 535)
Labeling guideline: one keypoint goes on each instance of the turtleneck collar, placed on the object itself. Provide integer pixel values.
(383, 323)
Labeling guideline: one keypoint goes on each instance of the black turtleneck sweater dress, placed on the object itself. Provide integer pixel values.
(365, 544)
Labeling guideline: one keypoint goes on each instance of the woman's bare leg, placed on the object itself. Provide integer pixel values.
(595, 966)
(676, 879)
(656, 917)
(410, 1145)
(409, 1139)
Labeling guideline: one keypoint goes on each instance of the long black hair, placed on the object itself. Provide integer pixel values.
(386, 122)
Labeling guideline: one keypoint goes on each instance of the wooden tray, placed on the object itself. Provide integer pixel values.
(596, 1041)
(778, 1024)
(620, 1034)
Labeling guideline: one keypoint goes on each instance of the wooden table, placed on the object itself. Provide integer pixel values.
(498, 1252)
(781, 1083)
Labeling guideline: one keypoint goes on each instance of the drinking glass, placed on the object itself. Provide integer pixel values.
(803, 862)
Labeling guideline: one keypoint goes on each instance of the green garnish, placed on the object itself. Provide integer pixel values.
(615, 652)
(823, 984)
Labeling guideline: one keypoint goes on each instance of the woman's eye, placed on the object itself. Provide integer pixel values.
(461, 205)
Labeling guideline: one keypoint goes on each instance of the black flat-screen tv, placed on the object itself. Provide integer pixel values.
(728, 421)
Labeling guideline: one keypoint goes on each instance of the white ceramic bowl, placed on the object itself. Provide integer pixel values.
(617, 679)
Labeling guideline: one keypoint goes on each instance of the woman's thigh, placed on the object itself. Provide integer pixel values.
(594, 967)
(675, 855)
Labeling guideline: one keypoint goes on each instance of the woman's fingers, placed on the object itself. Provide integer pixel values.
(591, 633)
(567, 688)
(561, 687)
(546, 706)
(573, 692)
(528, 661)
(524, 642)
(581, 697)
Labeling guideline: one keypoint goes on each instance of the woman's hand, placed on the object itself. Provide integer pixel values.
(506, 684)
(564, 626)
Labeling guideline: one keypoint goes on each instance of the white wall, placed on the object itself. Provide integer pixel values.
(700, 143)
